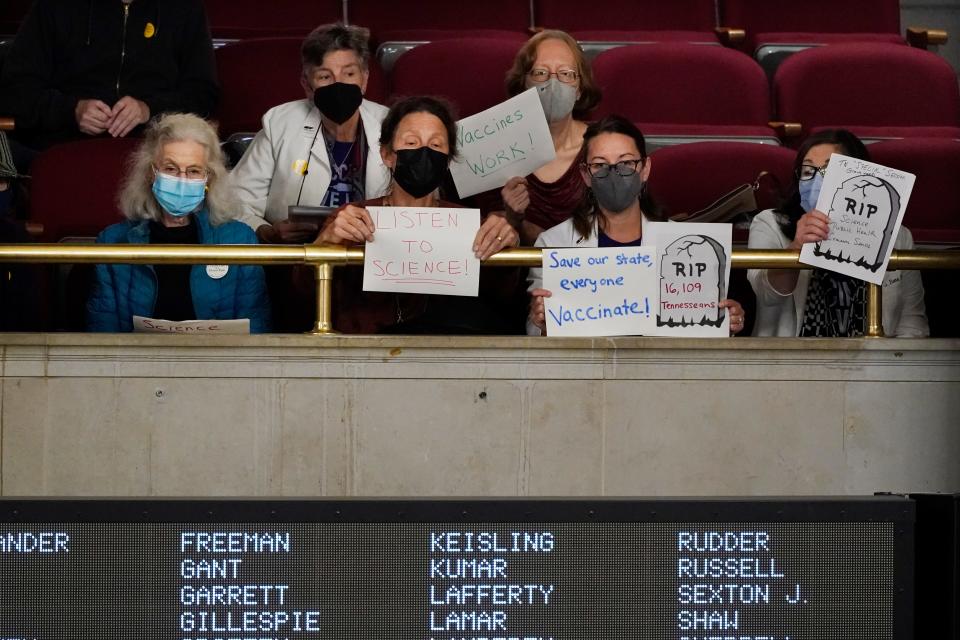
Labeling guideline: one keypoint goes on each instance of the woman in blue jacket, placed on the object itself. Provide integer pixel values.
(177, 193)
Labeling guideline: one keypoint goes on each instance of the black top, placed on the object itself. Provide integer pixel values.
(174, 298)
(67, 50)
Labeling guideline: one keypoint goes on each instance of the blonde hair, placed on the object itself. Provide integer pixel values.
(136, 196)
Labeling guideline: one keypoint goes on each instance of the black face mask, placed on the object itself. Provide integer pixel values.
(420, 171)
(338, 101)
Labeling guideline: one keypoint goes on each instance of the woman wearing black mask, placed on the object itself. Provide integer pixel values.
(615, 208)
(417, 142)
(318, 151)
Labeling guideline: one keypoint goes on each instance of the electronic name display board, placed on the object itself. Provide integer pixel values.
(804, 569)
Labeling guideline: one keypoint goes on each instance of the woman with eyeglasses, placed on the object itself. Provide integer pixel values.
(615, 207)
(553, 63)
(822, 303)
(177, 193)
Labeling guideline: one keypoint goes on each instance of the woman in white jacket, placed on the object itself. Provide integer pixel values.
(614, 210)
(322, 150)
(818, 302)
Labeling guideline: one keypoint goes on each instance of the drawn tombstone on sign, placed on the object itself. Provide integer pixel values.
(698, 264)
(872, 202)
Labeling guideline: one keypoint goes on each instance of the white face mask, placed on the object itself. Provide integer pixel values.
(557, 99)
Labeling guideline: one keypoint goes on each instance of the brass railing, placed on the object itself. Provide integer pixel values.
(323, 259)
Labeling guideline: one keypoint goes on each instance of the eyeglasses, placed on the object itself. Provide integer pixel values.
(809, 171)
(623, 168)
(191, 173)
(539, 76)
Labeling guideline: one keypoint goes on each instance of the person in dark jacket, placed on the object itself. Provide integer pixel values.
(105, 67)
(177, 193)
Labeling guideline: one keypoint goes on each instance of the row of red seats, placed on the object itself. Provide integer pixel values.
(670, 89)
(685, 178)
(753, 23)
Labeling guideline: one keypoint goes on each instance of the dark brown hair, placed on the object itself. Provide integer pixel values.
(587, 209)
(335, 37)
(420, 104)
(523, 63)
(790, 209)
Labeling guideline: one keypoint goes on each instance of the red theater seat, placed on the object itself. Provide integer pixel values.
(685, 90)
(874, 90)
(428, 20)
(256, 75)
(470, 72)
(631, 20)
(63, 197)
(235, 19)
(690, 177)
(813, 22)
(933, 214)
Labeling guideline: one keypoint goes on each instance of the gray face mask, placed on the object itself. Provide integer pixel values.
(557, 99)
(615, 193)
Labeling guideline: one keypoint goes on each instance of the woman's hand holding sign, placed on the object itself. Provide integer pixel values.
(352, 224)
(812, 226)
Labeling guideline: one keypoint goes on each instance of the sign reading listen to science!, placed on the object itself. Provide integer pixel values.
(600, 292)
(422, 250)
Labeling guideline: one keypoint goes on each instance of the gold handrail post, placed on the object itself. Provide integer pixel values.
(324, 275)
(874, 311)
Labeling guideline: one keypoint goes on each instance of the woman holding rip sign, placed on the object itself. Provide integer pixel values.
(417, 141)
(823, 303)
(614, 167)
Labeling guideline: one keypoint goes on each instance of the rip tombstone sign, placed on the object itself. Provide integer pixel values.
(693, 262)
(865, 203)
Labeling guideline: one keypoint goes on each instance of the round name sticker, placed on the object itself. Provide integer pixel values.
(217, 271)
(299, 166)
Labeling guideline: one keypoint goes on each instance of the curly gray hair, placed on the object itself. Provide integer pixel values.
(136, 196)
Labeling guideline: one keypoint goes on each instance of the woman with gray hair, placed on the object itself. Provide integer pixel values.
(319, 151)
(177, 193)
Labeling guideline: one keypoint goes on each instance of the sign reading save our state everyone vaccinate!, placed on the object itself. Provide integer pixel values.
(508, 140)
(422, 250)
(600, 292)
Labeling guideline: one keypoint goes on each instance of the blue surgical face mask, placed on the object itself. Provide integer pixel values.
(810, 191)
(179, 196)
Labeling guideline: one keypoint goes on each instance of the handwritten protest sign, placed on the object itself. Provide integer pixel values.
(195, 327)
(600, 292)
(865, 203)
(422, 250)
(508, 140)
(693, 264)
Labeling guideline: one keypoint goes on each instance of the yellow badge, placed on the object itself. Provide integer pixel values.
(299, 166)
(149, 30)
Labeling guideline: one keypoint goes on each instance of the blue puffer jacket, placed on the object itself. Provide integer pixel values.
(121, 291)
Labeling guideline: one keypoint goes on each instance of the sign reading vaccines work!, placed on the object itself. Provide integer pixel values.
(600, 292)
(693, 267)
(422, 250)
(508, 140)
(865, 203)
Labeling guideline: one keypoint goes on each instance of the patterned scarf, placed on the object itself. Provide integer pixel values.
(836, 306)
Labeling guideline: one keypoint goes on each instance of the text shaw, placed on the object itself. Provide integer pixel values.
(508, 140)
(154, 325)
(422, 250)
(693, 266)
(865, 203)
(600, 292)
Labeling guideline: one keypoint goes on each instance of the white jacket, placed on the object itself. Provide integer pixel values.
(565, 235)
(779, 314)
(267, 179)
